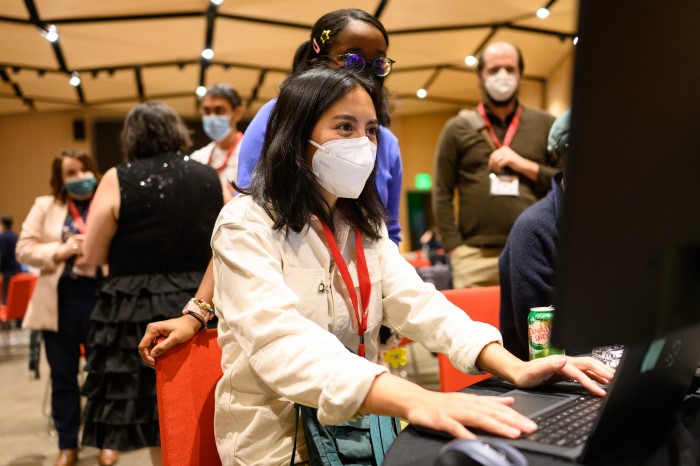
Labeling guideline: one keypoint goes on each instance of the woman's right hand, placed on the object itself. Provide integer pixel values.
(456, 413)
(453, 413)
(72, 247)
(175, 331)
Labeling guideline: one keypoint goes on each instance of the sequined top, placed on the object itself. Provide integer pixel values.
(169, 204)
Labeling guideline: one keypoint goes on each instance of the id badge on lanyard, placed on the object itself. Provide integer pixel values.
(504, 183)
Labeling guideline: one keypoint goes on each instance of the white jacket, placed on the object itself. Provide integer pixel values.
(283, 341)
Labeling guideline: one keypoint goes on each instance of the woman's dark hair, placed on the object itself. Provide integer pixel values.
(58, 186)
(153, 128)
(283, 183)
(306, 57)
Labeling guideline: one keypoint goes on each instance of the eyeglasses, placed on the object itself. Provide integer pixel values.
(380, 66)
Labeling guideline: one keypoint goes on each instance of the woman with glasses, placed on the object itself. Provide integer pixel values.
(351, 39)
(356, 40)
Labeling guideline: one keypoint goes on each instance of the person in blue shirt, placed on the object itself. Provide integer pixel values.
(352, 39)
(8, 262)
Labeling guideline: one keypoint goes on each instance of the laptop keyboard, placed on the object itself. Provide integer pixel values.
(569, 425)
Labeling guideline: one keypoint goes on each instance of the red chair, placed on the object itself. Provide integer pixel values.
(19, 292)
(186, 378)
(480, 304)
(418, 260)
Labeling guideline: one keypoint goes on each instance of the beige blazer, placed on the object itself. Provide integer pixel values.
(37, 243)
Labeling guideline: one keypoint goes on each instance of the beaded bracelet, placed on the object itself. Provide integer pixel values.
(205, 306)
(203, 310)
(199, 319)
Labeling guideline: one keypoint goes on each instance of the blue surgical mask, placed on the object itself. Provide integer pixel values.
(81, 186)
(217, 127)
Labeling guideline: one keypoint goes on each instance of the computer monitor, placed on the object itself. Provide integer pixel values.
(629, 251)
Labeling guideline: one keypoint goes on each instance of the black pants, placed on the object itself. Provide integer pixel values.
(76, 300)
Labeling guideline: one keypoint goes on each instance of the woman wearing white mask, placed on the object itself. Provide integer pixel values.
(304, 270)
(65, 294)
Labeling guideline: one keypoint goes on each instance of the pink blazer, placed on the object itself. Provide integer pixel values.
(37, 243)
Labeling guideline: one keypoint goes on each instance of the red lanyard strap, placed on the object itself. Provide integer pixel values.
(363, 277)
(77, 218)
(512, 128)
(218, 169)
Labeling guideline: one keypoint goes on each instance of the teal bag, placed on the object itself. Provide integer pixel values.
(361, 442)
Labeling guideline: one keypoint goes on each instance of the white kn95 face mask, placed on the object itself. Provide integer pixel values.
(501, 86)
(342, 166)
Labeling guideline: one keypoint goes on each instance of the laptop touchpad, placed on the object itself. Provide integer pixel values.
(532, 404)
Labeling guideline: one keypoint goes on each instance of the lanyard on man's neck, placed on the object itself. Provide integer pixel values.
(224, 163)
(362, 276)
(512, 128)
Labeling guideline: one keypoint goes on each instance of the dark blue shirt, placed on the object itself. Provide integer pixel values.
(526, 267)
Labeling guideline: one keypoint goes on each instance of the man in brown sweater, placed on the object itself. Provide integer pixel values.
(496, 158)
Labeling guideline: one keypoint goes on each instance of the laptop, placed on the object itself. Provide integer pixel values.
(651, 383)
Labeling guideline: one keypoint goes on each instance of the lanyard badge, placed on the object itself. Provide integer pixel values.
(77, 219)
(503, 184)
(363, 277)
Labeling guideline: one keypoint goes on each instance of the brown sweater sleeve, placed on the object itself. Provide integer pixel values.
(446, 174)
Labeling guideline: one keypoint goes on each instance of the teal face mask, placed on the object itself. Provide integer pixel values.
(82, 186)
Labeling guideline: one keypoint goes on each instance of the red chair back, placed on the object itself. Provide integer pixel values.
(19, 292)
(418, 260)
(480, 304)
(186, 378)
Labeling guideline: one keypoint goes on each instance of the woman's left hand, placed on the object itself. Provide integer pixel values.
(551, 369)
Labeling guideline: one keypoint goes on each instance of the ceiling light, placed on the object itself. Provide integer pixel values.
(575, 40)
(470, 60)
(542, 13)
(74, 79)
(201, 91)
(421, 93)
(217, 2)
(207, 54)
(51, 34)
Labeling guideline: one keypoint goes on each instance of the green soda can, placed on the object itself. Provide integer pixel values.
(539, 332)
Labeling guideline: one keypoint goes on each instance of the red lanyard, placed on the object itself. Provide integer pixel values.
(512, 128)
(363, 277)
(77, 219)
(218, 169)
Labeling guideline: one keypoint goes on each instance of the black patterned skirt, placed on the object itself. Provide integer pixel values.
(121, 412)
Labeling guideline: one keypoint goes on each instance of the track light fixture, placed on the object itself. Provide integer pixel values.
(74, 79)
(51, 34)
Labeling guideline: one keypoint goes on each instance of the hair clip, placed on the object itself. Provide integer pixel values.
(317, 49)
(325, 35)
